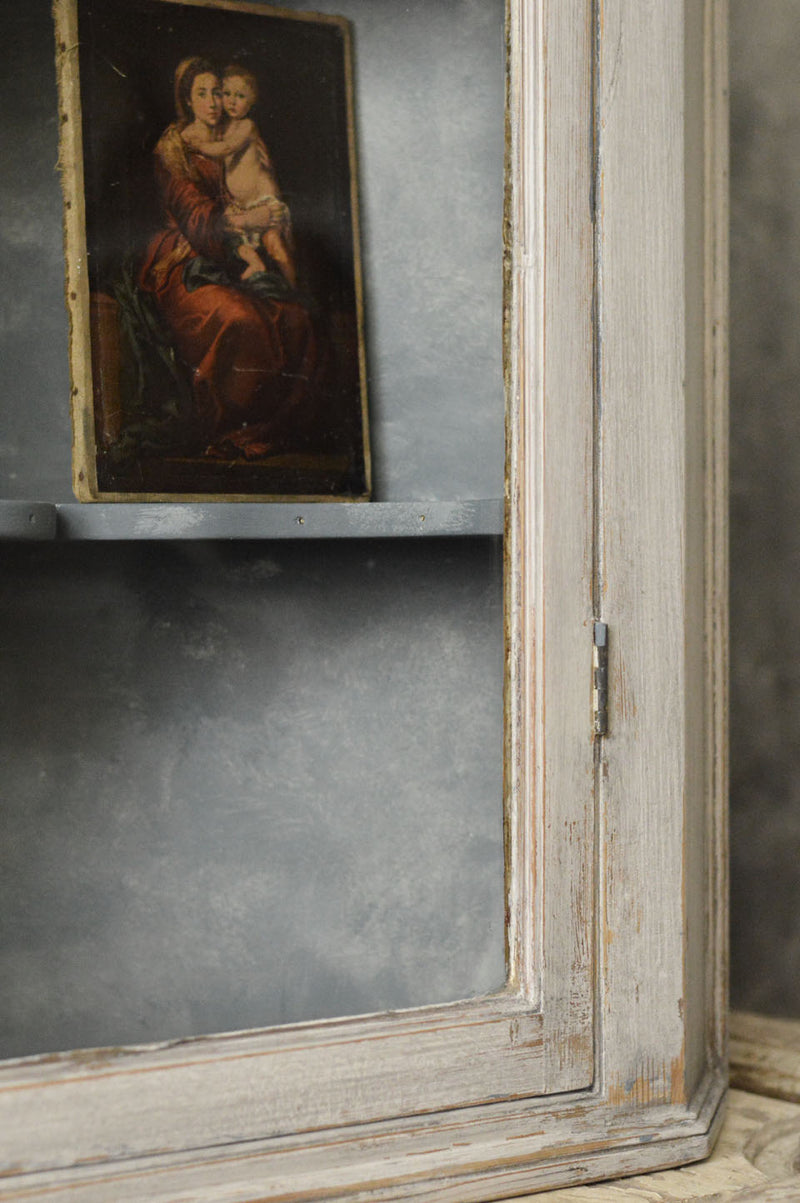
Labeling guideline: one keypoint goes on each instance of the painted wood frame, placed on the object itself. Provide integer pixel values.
(259, 459)
(605, 1053)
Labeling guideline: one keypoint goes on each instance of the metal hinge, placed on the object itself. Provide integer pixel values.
(600, 678)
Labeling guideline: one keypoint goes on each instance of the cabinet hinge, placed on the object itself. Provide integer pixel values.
(600, 679)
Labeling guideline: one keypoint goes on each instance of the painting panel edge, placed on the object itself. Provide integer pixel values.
(83, 373)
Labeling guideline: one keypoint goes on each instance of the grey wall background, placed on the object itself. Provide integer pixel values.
(246, 784)
(765, 500)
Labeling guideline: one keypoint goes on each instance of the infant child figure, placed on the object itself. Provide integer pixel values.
(250, 179)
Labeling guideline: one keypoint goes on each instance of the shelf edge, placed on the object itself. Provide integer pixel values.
(278, 520)
(27, 521)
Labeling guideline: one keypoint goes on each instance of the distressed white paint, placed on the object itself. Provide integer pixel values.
(662, 560)
(592, 1063)
(754, 1162)
(756, 1157)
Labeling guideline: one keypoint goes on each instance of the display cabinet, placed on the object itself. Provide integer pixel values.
(586, 1036)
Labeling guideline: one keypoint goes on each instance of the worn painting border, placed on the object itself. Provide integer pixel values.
(77, 286)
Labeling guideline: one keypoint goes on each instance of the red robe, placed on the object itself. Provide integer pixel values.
(252, 361)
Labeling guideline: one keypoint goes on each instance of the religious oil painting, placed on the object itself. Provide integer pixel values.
(213, 261)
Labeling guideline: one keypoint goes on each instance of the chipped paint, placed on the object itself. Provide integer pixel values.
(654, 1084)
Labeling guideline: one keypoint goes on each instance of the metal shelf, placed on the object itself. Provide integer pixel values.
(27, 521)
(33, 521)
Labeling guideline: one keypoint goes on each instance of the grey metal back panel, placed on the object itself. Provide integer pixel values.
(246, 784)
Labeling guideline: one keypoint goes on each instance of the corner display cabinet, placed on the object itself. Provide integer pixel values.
(603, 1053)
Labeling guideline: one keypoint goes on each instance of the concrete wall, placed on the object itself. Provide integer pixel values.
(765, 499)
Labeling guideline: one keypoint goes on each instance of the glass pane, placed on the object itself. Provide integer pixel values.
(246, 784)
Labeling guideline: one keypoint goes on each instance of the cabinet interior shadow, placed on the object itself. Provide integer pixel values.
(246, 784)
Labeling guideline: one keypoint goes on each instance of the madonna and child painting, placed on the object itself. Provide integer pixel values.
(213, 267)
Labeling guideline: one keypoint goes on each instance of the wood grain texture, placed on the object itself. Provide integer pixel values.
(715, 507)
(467, 1156)
(757, 1156)
(656, 226)
(602, 1056)
(550, 806)
(765, 1055)
(643, 566)
(754, 1162)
